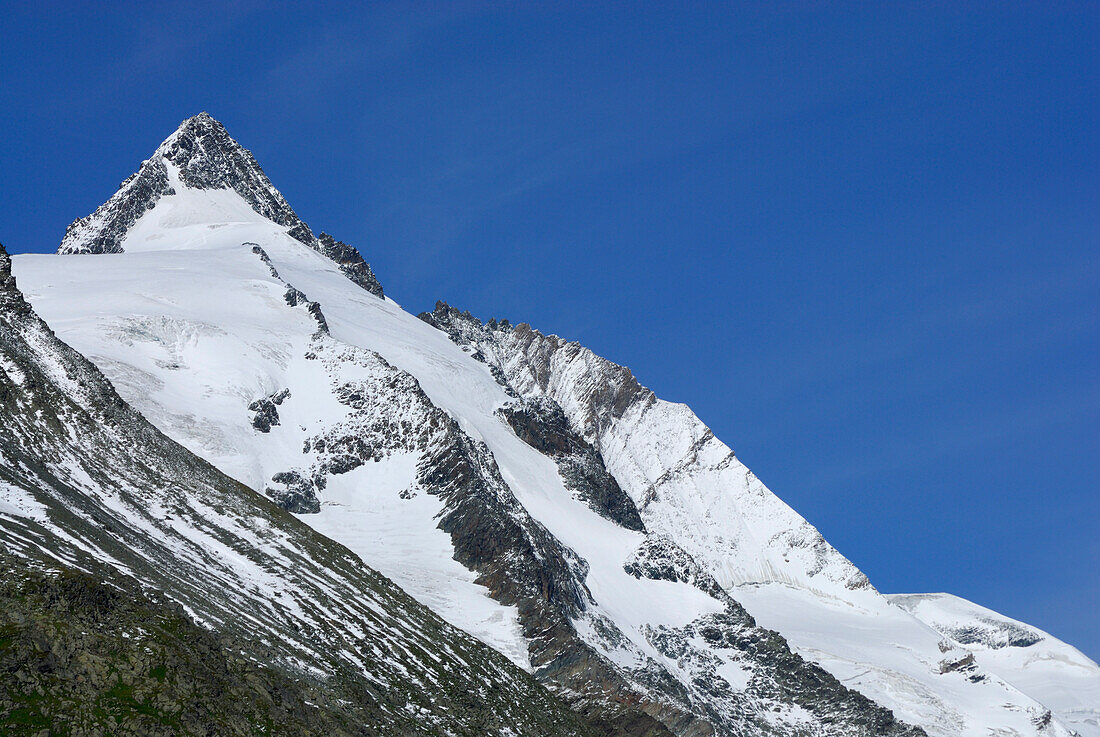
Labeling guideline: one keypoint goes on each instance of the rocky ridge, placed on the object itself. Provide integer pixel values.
(572, 646)
(624, 421)
(668, 462)
(624, 684)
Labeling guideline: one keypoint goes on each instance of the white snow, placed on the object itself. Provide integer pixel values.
(1055, 673)
(16, 502)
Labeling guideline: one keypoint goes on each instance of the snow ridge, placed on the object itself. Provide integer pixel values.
(673, 466)
(1057, 674)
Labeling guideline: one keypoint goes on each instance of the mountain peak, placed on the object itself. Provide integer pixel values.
(203, 156)
(203, 126)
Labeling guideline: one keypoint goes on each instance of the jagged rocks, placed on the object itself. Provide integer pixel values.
(11, 299)
(777, 677)
(314, 309)
(351, 263)
(297, 493)
(256, 249)
(527, 361)
(514, 556)
(660, 453)
(267, 410)
(295, 297)
(104, 230)
(541, 424)
(87, 483)
(661, 559)
(207, 158)
(292, 296)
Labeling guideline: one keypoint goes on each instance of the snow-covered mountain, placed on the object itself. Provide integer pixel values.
(522, 488)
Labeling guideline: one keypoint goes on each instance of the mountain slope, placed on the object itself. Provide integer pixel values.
(1057, 674)
(526, 490)
(87, 484)
(689, 486)
(80, 655)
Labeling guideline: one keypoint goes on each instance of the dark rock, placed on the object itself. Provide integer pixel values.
(298, 494)
(541, 424)
(309, 626)
(266, 409)
(207, 158)
(660, 559)
(294, 297)
(263, 257)
(350, 262)
(104, 230)
(314, 309)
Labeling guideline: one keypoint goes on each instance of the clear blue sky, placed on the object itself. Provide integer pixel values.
(863, 243)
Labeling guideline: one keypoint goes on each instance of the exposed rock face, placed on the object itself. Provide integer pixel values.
(87, 484)
(207, 158)
(660, 453)
(103, 230)
(267, 410)
(615, 533)
(778, 674)
(661, 559)
(295, 493)
(10, 298)
(350, 262)
(524, 362)
(515, 557)
(611, 680)
(204, 156)
(541, 424)
(259, 251)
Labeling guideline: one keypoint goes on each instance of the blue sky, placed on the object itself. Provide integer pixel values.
(860, 241)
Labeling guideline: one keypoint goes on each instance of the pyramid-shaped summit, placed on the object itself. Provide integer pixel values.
(202, 155)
